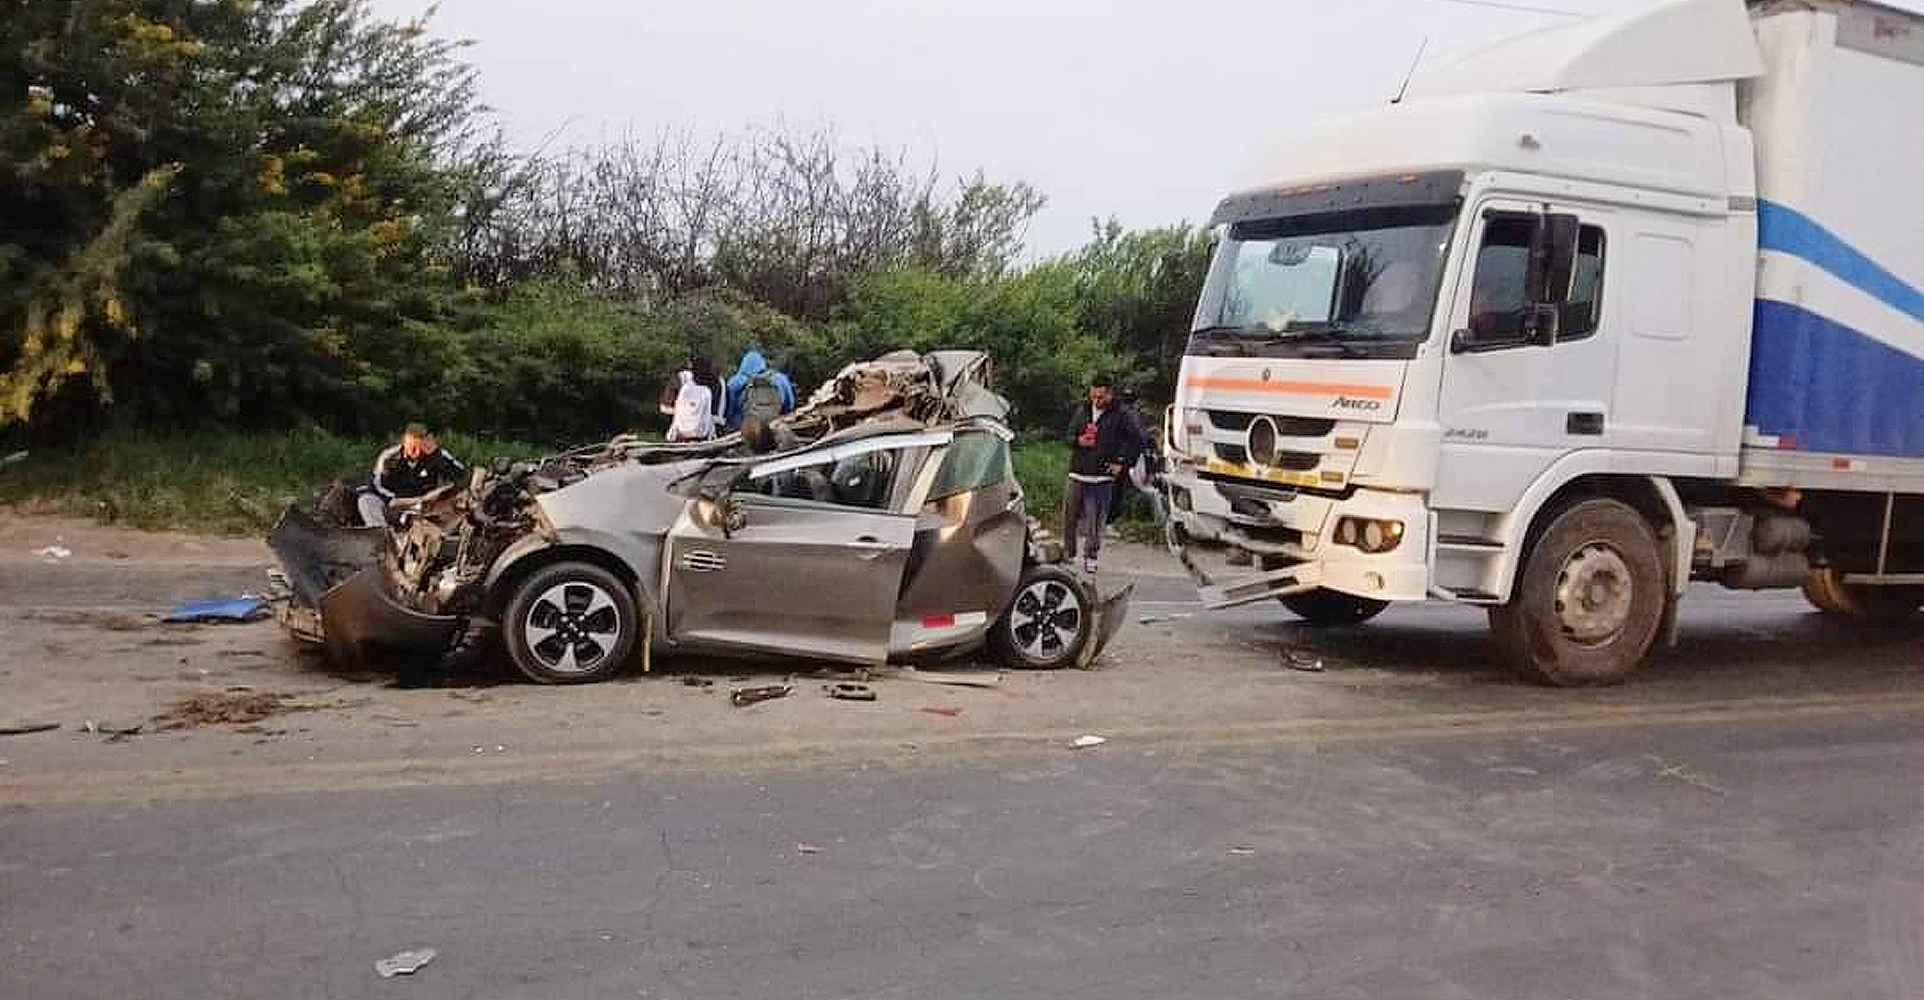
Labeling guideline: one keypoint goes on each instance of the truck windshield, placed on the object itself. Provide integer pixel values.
(1356, 284)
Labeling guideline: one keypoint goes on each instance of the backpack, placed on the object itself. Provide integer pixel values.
(761, 397)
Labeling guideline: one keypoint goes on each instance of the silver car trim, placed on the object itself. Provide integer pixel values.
(823, 456)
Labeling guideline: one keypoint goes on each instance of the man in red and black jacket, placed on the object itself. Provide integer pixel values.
(1103, 443)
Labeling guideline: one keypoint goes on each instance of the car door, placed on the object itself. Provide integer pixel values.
(1511, 408)
(812, 562)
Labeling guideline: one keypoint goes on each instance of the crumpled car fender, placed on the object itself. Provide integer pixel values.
(1111, 611)
(359, 618)
(641, 556)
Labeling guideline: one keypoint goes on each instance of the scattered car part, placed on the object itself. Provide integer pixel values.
(744, 697)
(405, 963)
(849, 691)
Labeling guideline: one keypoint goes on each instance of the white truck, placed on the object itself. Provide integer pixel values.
(1580, 318)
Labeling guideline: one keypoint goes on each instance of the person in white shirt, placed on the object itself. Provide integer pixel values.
(694, 411)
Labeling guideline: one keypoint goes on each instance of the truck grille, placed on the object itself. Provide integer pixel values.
(1292, 461)
(1309, 427)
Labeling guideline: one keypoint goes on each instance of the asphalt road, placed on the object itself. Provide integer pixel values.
(1712, 861)
(1743, 821)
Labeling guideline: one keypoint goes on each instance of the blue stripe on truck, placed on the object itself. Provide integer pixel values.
(1789, 231)
(1830, 388)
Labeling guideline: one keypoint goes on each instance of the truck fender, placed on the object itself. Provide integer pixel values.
(1588, 473)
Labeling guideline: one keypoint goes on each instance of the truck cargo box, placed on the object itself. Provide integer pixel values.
(1837, 347)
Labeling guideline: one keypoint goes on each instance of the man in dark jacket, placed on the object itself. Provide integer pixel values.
(1102, 444)
(412, 468)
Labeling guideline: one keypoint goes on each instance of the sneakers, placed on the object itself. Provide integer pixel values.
(1088, 565)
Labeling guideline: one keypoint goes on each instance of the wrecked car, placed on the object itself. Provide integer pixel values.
(879, 522)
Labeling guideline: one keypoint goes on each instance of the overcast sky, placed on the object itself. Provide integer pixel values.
(1146, 110)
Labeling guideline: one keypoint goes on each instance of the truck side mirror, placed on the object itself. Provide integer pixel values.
(1542, 323)
(1553, 258)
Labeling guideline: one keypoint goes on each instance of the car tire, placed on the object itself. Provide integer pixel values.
(1877, 605)
(1589, 601)
(1332, 608)
(1047, 624)
(570, 623)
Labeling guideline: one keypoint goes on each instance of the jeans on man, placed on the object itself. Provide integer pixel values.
(373, 509)
(1085, 510)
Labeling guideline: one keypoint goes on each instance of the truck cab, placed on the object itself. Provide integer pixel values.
(1434, 329)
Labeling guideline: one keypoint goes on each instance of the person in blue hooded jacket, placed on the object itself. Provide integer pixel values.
(758, 390)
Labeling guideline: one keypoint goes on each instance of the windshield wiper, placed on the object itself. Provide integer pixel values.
(1321, 333)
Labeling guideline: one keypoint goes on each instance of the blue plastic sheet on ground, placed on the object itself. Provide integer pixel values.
(219, 609)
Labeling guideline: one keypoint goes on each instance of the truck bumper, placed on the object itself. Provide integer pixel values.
(1291, 536)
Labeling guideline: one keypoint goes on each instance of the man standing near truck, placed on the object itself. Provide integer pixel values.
(1102, 444)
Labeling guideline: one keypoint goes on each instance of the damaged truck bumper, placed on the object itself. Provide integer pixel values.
(1297, 542)
(340, 597)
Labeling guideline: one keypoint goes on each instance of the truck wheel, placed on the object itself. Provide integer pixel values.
(1859, 602)
(1589, 600)
(1332, 607)
(570, 623)
(1052, 617)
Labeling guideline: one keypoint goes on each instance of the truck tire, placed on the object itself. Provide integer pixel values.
(570, 623)
(1589, 600)
(1333, 607)
(1883, 605)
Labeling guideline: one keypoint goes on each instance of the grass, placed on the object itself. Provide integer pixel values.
(191, 480)
(222, 482)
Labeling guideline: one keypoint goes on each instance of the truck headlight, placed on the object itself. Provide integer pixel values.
(1369, 534)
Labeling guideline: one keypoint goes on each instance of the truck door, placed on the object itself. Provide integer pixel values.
(1513, 403)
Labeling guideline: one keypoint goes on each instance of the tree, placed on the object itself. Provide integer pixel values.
(248, 192)
(1137, 289)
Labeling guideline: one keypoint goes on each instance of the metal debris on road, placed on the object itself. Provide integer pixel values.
(28, 728)
(807, 849)
(53, 552)
(1159, 619)
(1242, 851)
(744, 697)
(955, 678)
(1298, 660)
(14, 459)
(406, 963)
(849, 691)
(1085, 742)
(114, 734)
(944, 711)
